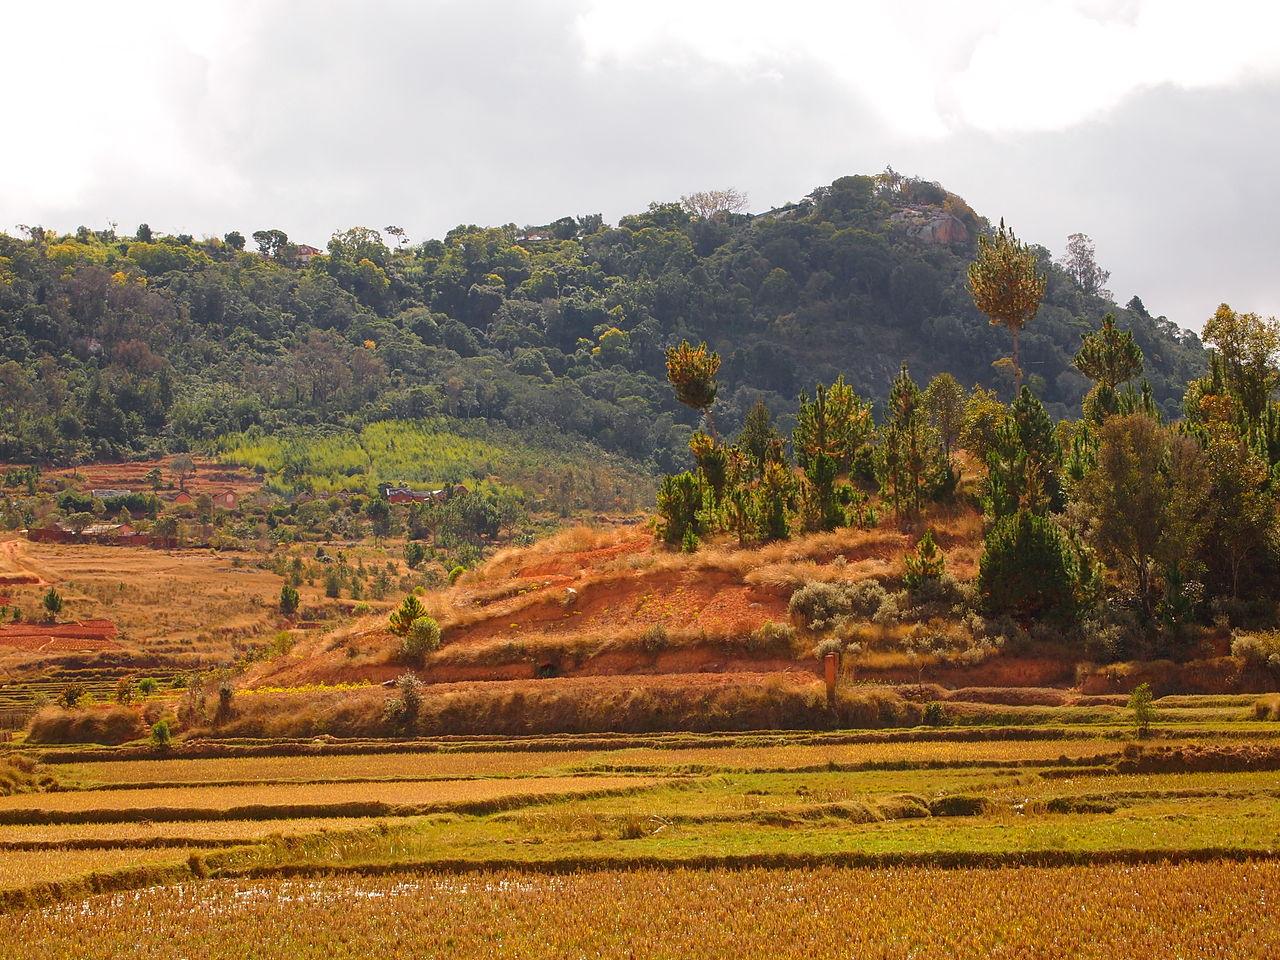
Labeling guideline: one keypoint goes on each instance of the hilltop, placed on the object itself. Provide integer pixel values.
(120, 347)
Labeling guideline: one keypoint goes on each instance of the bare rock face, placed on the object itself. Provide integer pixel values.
(931, 225)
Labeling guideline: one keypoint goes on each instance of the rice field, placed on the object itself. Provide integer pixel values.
(432, 766)
(271, 798)
(193, 833)
(1219, 909)
(325, 769)
(24, 868)
(1028, 843)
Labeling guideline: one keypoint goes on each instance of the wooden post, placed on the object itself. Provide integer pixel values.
(831, 670)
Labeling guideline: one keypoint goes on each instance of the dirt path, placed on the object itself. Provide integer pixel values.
(16, 568)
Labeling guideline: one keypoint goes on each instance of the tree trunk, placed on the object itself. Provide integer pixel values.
(1017, 367)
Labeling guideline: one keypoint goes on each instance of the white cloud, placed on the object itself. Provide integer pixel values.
(929, 69)
(109, 96)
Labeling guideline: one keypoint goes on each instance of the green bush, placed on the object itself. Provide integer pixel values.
(161, 734)
(289, 600)
(679, 500)
(926, 564)
(422, 638)
(402, 619)
(1030, 568)
(1144, 713)
(414, 554)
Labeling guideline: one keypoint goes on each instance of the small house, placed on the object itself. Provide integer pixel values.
(226, 500)
(403, 494)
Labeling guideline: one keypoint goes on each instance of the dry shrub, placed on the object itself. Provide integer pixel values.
(558, 707)
(1015, 696)
(111, 725)
(21, 774)
(1268, 707)
(1199, 759)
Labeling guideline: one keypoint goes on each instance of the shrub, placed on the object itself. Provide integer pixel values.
(147, 686)
(72, 695)
(112, 725)
(414, 554)
(926, 564)
(888, 613)
(1144, 713)
(422, 638)
(225, 694)
(1268, 707)
(818, 605)
(402, 620)
(161, 735)
(829, 645)
(772, 637)
(935, 715)
(1030, 568)
(1258, 649)
(52, 604)
(456, 572)
(655, 639)
(124, 690)
(289, 600)
(332, 584)
(404, 709)
(679, 500)
(866, 597)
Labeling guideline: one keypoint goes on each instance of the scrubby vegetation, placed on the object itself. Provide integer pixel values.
(1116, 531)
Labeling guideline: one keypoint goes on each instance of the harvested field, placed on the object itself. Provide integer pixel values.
(198, 832)
(1097, 913)
(424, 766)
(210, 477)
(404, 766)
(166, 610)
(275, 800)
(81, 636)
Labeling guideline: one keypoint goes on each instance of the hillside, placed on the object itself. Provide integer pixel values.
(116, 346)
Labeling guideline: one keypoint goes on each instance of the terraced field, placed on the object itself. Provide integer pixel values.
(361, 821)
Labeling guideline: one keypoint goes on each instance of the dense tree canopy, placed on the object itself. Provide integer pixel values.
(112, 346)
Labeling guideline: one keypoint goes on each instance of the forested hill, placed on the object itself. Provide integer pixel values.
(113, 345)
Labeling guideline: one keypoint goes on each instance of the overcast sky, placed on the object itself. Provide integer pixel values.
(1152, 125)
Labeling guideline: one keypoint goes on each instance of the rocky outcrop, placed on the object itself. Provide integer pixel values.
(931, 225)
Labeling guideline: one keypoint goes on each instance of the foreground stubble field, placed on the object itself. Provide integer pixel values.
(1019, 842)
(1219, 910)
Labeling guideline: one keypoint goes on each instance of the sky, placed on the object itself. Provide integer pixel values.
(1151, 125)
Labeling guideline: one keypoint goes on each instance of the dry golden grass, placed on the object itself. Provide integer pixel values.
(798, 756)
(1218, 909)
(357, 767)
(507, 562)
(180, 605)
(197, 831)
(444, 793)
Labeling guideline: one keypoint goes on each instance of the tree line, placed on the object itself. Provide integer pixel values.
(1121, 522)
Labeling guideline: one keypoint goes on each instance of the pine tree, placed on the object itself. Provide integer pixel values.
(909, 448)
(1006, 287)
